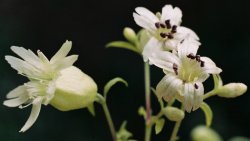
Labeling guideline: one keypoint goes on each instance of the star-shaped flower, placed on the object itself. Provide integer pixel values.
(185, 72)
(42, 74)
(164, 28)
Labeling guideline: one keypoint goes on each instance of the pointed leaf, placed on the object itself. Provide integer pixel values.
(124, 45)
(208, 113)
(112, 83)
(159, 124)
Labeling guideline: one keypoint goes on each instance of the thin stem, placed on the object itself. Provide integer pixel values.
(148, 125)
(177, 125)
(209, 94)
(110, 121)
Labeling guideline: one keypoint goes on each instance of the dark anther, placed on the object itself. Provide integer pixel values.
(162, 25)
(191, 56)
(163, 35)
(174, 29)
(202, 63)
(182, 41)
(198, 58)
(175, 68)
(170, 36)
(157, 25)
(196, 86)
(167, 22)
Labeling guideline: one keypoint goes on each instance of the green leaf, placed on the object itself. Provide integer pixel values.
(91, 109)
(112, 83)
(208, 113)
(217, 81)
(142, 112)
(124, 45)
(159, 124)
(123, 134)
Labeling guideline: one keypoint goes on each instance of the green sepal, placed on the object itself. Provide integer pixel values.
(159, 124)
(208, 113)
(91, 109)
(124, 45)
(111, 83)
(123, 134)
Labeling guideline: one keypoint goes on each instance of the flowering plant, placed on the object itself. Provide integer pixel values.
(162, 42)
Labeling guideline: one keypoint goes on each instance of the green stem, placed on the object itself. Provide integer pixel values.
(148, 125)
(110, 121)
(209, 94)
(177, 125)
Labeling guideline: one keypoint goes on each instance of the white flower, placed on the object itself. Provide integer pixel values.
(185, 72)
(42, 74)
(164, 28)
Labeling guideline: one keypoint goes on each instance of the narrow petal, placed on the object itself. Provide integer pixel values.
(16, 101)
(198, 95)
(37, 103)
(210, 66)
(42, 57)
(168, 87)
(62, 52)
(183, 32)
(188, 96)
(145, 23)
(147, 14)
(172, 14)
(66, 62)
(18, 91)
(27, 55)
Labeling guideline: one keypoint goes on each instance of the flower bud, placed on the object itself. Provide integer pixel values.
(203, 133)
(232, 90)
(74, 90)
(130, 34)
(173, 114)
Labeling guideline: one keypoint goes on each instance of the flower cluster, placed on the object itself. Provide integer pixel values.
(174, 49)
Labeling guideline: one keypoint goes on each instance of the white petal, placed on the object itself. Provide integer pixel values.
(147, 14)
(171, 44)
(187, 47)
(210, 66)
(18, 91)
(152, 45)
(168, 87)
(198, 96)
(16, 101)
(188, 92)
(145, 23)
(172, 14)
(184, 32)
(37, 103)
(65, 62)
(27, 55)
(62, 52)
(42, 57)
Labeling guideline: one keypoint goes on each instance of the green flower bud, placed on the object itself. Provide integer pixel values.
(130, 34)
(203, 133)
(74, 90)
(232, 90)
(173, 114)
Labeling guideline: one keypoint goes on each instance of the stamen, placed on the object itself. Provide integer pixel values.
(182, 41)
(196, 86)
(198, 58)
(175, 68)
(174, 29)
(162, 25)
(163, 35)
(170, 36)
(191, 56)
(167, 22)
(157, 25)
(202, 63)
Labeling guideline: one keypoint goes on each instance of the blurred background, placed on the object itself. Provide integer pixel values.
(223, 27)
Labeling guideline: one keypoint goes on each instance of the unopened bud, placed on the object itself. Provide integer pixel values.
(74, 90)
(203, 133)
(130, 34)
(173, 114)
(232, 90)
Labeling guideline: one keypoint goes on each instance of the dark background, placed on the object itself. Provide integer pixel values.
(222, 25)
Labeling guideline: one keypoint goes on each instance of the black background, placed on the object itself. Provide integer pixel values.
(222, 25)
